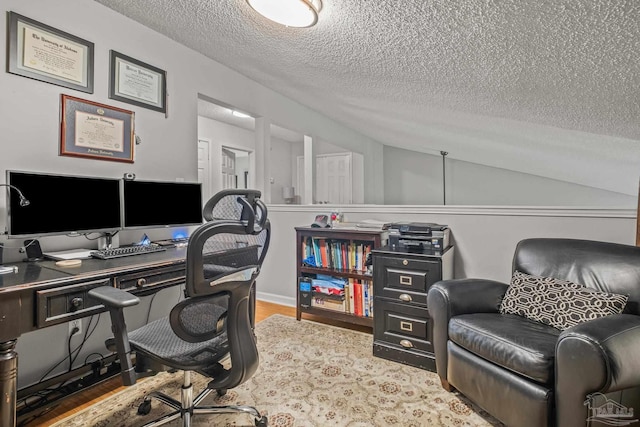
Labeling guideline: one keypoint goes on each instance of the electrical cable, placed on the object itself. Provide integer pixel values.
(86, 359)
(86, 235)
(69, 350)
(150, 304)
(42, 395)
(87, 334)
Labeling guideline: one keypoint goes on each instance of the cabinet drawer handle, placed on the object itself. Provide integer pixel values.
(405, 262)
(405, 297)
(406, 343)
(405, 280)
(406, 326)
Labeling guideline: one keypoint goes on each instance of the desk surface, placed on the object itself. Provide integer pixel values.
(32, 274)
(41, 294)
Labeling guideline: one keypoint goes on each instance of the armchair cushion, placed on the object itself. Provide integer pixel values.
(558, 303)
(516, 343)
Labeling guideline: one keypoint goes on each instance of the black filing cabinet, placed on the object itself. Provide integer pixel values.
(401, 325)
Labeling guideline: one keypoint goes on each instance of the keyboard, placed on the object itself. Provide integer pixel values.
(126, 251)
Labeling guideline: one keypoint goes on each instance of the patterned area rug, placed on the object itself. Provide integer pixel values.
(310, 374)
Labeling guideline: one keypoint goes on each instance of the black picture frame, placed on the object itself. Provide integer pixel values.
(96, 131)
(136, 82)
(41, 52)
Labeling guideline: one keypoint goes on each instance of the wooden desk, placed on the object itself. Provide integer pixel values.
(42, 294)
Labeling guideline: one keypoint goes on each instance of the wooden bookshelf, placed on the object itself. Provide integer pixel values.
(338, 253)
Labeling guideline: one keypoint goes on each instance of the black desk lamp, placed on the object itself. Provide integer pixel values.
(23, 200)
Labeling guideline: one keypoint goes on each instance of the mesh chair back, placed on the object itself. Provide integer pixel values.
(230, 248)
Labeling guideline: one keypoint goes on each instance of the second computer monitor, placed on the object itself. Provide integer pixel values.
(161, 204)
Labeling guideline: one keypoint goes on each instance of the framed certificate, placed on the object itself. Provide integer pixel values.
(137, 83)
(97, 131)
(41, 52)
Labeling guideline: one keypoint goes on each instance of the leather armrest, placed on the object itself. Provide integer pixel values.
(113, 297)
(448, 298)
(595, 356)
(460, 296)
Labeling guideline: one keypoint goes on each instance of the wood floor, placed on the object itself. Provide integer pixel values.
(103, 390)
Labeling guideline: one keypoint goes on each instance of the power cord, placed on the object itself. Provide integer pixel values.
(42, 395)
(150, 304)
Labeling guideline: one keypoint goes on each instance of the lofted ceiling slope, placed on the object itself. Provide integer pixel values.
(546, 87)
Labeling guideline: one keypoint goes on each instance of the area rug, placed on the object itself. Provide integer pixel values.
(310, 374)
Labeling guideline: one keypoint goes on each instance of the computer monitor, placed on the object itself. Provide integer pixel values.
(161, 204)
(61, 204)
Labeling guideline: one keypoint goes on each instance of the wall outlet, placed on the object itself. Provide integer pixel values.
(75, 324)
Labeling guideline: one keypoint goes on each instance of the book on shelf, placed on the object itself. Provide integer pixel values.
(366, 310)
(328, 304)
(337, 254)
(357, 298)
(328, 296)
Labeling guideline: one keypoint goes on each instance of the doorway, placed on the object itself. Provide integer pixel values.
(235, 168)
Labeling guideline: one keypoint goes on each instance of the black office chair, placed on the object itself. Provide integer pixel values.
(214, 321)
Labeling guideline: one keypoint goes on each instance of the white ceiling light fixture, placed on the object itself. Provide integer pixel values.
(239, 114)
(292, 13)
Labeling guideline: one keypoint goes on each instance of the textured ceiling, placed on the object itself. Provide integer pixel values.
(479, 78)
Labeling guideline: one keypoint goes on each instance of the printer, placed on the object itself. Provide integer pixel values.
(418, 236)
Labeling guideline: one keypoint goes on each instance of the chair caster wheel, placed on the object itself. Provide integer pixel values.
(144, 408)
(221, 392)
(262, 422)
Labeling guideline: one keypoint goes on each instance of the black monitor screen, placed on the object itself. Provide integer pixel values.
(61, 204)
(161, 204)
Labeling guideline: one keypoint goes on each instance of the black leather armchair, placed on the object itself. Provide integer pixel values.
(526, 373)
(211, 330)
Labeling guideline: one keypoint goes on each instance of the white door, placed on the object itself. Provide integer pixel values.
(333, 178)
(228, 169)
(204, 169)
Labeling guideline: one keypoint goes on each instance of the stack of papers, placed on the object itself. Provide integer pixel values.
(69, 254)
(373, 224)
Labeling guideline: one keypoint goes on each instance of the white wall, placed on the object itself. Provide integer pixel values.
(484, 237)
(413, 178)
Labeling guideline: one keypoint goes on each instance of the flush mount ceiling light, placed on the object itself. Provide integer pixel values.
(292, 13)
(239, 114)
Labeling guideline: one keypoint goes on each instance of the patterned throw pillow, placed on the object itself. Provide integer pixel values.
(558, 303)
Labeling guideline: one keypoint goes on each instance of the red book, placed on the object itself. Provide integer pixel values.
(323, 253)
(357, 298)
(343, 251)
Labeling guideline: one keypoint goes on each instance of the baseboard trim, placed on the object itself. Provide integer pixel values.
(276, 299)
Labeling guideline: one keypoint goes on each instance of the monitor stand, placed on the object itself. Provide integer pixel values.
(108, 241)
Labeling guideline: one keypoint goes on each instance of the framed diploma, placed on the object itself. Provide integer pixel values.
(41, 52)
(137, 83)
(96, 131)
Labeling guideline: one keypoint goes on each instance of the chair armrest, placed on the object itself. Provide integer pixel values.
(116, 300)
(460, 296)
(113, 297)
(448, 298)
(595, 356)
